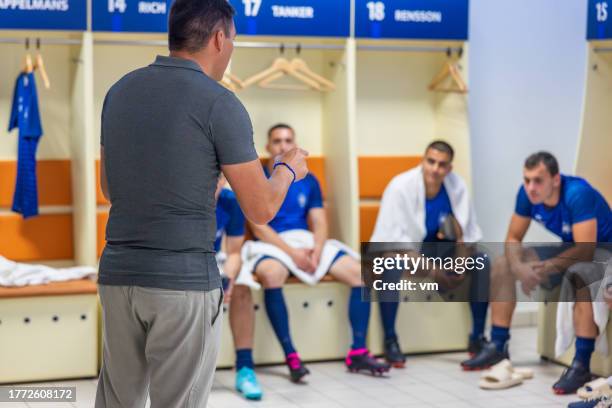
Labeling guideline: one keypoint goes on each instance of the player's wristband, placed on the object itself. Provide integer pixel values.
(280, 163)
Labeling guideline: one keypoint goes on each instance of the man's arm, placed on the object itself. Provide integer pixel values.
(232, 265)
(300, 256)
(516, 232)
(317, 221)
(260, 198)
(103, 179)
(585, 235)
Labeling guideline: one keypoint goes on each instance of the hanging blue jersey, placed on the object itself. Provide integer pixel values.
(302, 196)
(578, 202)
(230, 220)
(26, 117)
(436, 211)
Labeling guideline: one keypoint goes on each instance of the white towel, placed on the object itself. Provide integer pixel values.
(20, 274)
(402, 210)
(601, 312)
(253, 251)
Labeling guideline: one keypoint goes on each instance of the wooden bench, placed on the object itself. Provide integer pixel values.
(49, 332)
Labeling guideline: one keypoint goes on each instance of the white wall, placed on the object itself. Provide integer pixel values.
(527, 78)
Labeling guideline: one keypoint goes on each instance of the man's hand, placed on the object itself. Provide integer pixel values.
(315, 256)
(302, 259)
(608, 295)
(227, 294)
(296, 159)
(530, 274)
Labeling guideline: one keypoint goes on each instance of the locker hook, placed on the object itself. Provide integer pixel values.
(38, 43)
(27, 43)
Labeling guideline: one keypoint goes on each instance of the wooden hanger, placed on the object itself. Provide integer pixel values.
(40, 66)
(28, 65)
(449, 70)
(298, 70)
(277, 66)
(232, 82)
(300, 66)
(289, 70)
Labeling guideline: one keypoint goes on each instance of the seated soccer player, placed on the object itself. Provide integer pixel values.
(231, 226)
(415, 207)
(573, 210)
(289, 245)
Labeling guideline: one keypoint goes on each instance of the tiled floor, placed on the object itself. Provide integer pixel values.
(428, 381)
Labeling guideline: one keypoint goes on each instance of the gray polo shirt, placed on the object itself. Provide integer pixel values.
(166, 129)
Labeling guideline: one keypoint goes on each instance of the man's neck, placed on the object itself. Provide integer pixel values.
(432, 189)
(554, 198)
(199, 58)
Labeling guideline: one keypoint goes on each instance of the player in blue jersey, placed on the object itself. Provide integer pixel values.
(572, 209)
(228, 242)
(301, 211)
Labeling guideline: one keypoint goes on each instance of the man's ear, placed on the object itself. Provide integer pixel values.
(557, 179)
(219, 40)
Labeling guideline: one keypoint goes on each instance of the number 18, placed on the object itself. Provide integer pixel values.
(602, 11)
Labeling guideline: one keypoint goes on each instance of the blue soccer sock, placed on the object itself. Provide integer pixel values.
(479, 318)
(584, 350)
(244, 358)
(359, 316)
(279, 318)
(500, 336)
(388, 314)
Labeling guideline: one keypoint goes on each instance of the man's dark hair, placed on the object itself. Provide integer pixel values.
(279, 126)
(549, 161)
(192, 22)
(443, 147)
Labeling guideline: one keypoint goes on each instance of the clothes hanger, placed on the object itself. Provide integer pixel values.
(449, 70)
(278, 65)
(232, 82)
(281, 67)
(40, 66)
(300, 66)
(28, 66)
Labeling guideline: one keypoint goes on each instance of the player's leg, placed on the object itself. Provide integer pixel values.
(272, 274)
(347, 270)
(242, 323)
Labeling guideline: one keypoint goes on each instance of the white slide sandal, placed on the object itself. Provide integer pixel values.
(502, 375)
(596, 388)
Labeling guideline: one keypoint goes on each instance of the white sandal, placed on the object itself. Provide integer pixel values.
(502, 376)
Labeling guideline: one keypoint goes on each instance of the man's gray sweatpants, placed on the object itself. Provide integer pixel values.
(163, 342)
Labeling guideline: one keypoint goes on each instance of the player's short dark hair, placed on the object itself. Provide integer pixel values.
(192, 23)
(279, 126)
(546, 158)
(443, 147)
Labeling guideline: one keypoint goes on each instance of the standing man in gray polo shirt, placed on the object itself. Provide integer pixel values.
(167, 131)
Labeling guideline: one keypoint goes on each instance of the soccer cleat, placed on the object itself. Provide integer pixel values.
(488, 357)
(297, 370)
(361, 359)
(247, 384)
(574, 377)
(476, 345)
(393, 354)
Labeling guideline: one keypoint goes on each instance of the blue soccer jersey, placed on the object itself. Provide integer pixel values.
(578, 202)
(230, 220)
(26, 117)
(436, 211)
(302, 196)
